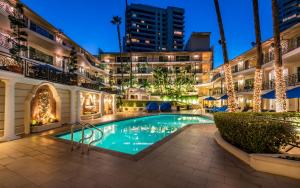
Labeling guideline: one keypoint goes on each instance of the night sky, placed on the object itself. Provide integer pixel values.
(88, 21)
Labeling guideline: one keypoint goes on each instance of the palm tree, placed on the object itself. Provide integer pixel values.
(259, 60)
(280, 85)
(227, 66)
(116, 20)
(130, 52)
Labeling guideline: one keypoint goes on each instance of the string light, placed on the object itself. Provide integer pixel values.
(280, 88)
(257, 90)
(230, 88)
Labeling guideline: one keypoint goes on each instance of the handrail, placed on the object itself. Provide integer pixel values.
(83, 138)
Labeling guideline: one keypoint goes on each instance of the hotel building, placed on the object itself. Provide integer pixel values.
(154, 29)
(39, 92)
(243, 68)
(195, 63)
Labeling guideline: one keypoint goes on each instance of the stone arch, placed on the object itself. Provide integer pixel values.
(31, 96)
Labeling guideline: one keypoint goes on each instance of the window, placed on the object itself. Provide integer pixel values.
(40, 56)
(178, 33)
(40, 30)
(147, 41)
(135, 40)
(247, 64)
(182, 58)
(142, 59)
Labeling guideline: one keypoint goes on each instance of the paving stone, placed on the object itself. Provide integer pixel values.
(191, 159)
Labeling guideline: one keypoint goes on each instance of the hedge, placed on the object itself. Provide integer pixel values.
(136, 103)
(257, 132)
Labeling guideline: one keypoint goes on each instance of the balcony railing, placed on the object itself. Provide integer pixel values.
(41, 71)
(4, 41)
(291, 80)
(6, 7)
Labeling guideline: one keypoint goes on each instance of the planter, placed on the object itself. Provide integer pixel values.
(270, 163)
(37, 129)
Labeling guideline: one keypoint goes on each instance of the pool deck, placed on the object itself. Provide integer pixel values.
(190, 159)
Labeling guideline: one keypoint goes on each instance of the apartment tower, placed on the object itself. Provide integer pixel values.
(153, 29)
(289, 13)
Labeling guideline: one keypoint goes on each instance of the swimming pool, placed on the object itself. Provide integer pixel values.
(132, 136)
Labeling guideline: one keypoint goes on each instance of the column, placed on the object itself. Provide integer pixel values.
(101, 103)
(78, 119)
(73, 105)
(9, 111)
(114, 104)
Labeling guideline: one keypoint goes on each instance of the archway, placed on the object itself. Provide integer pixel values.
(42, 107)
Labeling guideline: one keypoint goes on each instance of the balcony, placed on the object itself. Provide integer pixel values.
(291, 80)
(41, 71)
(4, 41)
(6, 7)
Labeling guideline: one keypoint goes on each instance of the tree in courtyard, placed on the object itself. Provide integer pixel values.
(227, 67)
(19, 36)
(73, 61)
(161, 80)
(116, 20)
(259, 60)
(280, 85)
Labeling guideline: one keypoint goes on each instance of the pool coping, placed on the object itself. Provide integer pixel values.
(139, 155)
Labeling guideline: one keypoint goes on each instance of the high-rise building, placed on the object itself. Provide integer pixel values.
(150, 29)
(289, 13)
(198, 41)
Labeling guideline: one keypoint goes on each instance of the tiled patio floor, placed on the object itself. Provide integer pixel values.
(190, 159)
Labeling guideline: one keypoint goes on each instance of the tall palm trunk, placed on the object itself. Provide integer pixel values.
(130, 52)
(121, 57)
(227, 66)
(259, 60)
(280, 85)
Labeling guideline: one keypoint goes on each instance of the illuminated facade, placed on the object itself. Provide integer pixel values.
(243, 69)
(197, 64)
(38, 91)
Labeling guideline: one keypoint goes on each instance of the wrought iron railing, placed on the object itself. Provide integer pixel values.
(4, 41)
(291, 80)
(4, 5)
(41, 71)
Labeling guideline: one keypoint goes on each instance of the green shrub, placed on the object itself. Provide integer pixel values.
(257, 132)
(138, 103)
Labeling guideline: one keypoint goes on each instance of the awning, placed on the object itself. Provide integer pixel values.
(269, 95)
(224, 97)
(210, 99)
(290, 94)
(293, 93)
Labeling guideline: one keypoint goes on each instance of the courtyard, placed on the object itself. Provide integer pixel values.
(190, 159)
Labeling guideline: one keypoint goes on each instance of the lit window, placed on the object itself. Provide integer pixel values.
(147, 41)
(133, 15)
(142, 21)
(135, 40)
(134, 24)
(137, 30)
(178, 33)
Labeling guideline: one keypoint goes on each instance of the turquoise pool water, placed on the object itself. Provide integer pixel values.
(134, 135)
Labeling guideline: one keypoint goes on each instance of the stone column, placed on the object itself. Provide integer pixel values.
(114, 103)
(9, 111)
(101, 103)
(78, 114)
(73, 105)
